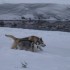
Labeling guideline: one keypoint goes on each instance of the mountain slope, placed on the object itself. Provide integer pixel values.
(47, 11)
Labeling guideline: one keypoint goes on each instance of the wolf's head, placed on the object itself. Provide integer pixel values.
(41, 42)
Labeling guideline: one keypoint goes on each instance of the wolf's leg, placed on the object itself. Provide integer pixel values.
(14, 46)
(39, 47)
(32, 46)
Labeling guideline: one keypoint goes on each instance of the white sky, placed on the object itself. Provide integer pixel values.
(36, 1)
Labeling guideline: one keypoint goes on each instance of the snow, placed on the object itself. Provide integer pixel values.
(29, 16)
(9, 17)
(48, 11)
(55, 56)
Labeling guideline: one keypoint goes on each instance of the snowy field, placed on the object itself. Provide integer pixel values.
(55, 56)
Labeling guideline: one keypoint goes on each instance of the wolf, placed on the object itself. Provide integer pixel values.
(27, 42)
(26, 45)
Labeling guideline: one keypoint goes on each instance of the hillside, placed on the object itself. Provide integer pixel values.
(46, 11)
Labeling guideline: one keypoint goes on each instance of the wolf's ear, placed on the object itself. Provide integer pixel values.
(41, 38)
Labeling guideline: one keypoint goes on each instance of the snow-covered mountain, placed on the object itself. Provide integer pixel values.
(47, 11)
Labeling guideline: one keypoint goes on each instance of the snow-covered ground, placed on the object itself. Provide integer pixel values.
(55, 56)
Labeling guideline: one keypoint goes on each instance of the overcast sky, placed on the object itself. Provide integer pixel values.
(36, 1)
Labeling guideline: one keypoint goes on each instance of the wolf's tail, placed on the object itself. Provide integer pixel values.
(11, 36)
